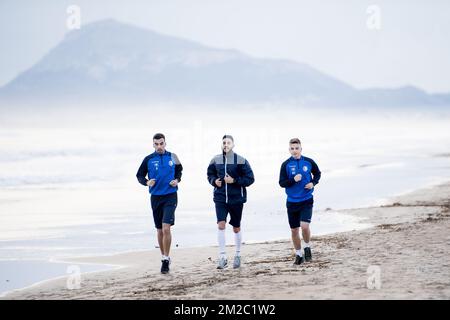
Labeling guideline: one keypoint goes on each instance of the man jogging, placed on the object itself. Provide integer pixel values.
(299, 175)
(229, 174)
(164, 173)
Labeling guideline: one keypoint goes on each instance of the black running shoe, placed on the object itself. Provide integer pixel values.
(308, 255)
(298, 260)
(165, 266)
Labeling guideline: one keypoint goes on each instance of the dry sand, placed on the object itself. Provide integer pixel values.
(409, 243)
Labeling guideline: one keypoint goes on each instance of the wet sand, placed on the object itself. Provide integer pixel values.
(405, 255)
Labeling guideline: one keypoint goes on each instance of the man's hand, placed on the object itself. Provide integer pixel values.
(298, 177)
(309, 186)
(218, 182)
(174, 183)
(151, 182)
(229, 179)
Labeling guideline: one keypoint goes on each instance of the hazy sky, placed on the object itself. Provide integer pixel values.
(411, 47)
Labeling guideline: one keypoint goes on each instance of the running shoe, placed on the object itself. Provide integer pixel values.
(222, 263)
(298, 260)
(236, 262)
(308, 255)
(165, 266)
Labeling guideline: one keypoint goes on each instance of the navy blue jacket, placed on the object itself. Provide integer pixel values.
(163, 168)
(239, 169)
(310, 172)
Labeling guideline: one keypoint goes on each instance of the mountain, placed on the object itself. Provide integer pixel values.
(112, 61)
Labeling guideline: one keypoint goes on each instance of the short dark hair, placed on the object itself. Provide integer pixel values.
(158, 136)
(295, 140)
(228, 136)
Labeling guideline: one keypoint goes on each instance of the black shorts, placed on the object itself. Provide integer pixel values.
(299, 211)
(235, 210)
(164, 209)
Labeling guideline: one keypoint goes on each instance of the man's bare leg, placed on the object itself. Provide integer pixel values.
(306, 231)
(167, 239)
(295, 234)
(160, 241)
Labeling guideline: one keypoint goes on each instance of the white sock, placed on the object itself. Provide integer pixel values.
(221, 240)
(298, 252)
(165, 257)
(238, 242)
(305, 244)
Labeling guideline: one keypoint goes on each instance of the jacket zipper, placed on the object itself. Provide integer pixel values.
(161, 162)
(226, 186)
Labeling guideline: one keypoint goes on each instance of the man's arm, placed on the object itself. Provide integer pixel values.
(142, 172)
(247, 177)
(178, 167)
(212, 173)
(285, 181)
(315, 172)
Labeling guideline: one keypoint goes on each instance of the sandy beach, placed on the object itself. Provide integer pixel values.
(406, 251)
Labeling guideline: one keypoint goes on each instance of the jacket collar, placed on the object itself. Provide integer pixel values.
(162, 154)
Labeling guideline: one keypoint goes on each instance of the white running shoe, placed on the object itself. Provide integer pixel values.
(236, 262)
(222, 263)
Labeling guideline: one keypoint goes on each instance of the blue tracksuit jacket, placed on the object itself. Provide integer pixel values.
(162, 167)
(310, 172)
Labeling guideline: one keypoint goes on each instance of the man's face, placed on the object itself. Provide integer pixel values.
(295, 149)
(227, 145)
(159, 145)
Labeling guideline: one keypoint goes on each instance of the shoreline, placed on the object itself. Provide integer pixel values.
(58, 262)
(106, 266)
(137, 275)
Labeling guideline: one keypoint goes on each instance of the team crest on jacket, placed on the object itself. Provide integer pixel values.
(305, 168)
(170, 163)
